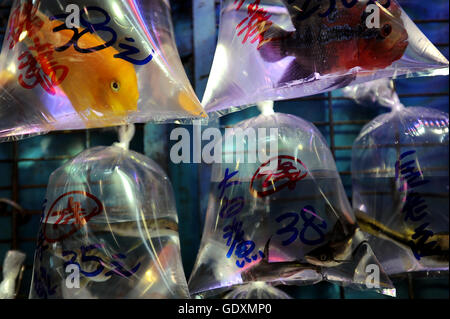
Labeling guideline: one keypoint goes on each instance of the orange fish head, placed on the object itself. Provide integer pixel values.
(390, 42)
(120, 89)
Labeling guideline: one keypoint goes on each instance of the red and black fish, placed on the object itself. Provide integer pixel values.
(335, 40)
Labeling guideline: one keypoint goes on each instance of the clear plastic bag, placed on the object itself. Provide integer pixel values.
(12, 266)
(401, 184)
(256, 290)
(109, 229)
(281, 49)
(116, 64)
(378, 92)
(279, 218)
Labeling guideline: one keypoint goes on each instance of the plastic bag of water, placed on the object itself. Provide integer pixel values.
(109, 229)
(91, 63)
(400, 183)
(283, 49)
(280, 218)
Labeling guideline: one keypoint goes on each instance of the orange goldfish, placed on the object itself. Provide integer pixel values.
(336, 42)
(101, 88)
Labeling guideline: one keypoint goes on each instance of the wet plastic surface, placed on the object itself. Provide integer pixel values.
(278, 49)
(109, 229)
(282, 219)
(119, 65)
(400, 184)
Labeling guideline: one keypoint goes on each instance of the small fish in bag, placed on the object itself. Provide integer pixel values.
(109, 230)
(400, 183)
(282, 218)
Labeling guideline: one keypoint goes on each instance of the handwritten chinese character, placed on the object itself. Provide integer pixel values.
(225, 183)
(241, 2)
(244, 250)
(421, 247)
(408, 172)
(23, 19)
(72, 211)
(234, 235)
(415, 207)
(285, 170)
(230, 208)
(286, 175)
(255, 24)
(46, 76)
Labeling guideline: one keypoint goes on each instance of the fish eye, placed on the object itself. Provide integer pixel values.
(386, 30)
(115, 86)
(323, 257)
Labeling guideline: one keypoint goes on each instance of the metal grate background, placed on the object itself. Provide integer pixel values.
(25, 165)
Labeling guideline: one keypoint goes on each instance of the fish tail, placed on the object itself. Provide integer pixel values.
(190, 104)
(273, 47)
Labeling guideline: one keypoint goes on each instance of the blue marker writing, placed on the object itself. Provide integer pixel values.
(415, 208)
(310, 218)
(92, 28)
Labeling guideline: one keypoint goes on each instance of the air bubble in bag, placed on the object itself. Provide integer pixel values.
(279, 218)
(119, 65)
(109, 229)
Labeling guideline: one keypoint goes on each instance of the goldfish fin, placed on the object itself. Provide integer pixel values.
(273, 48)
(188, 101)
